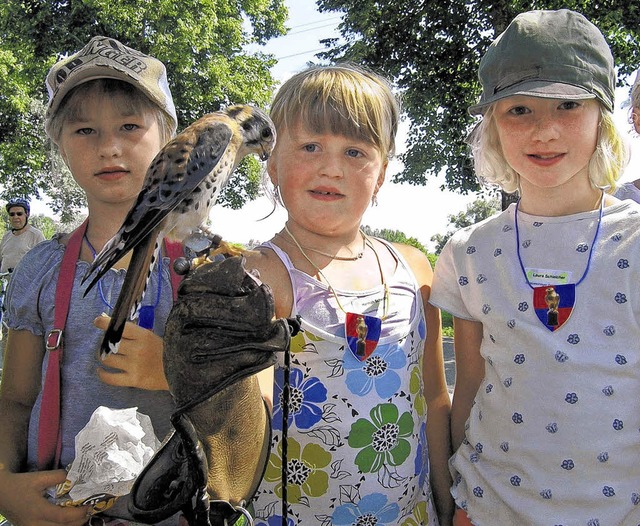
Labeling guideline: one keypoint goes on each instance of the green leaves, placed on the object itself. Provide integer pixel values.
(432, 49)
(201, 42)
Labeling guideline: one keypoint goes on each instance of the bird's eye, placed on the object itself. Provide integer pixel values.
(266, 133)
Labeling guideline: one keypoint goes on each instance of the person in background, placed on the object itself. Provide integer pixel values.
(631, 190)
(545, 412)
(110, 111)
(22, 236)
(367, 402)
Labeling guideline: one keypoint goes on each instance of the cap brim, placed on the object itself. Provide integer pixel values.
(541, 89)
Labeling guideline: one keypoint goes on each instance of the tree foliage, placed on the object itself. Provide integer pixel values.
(396, 236)
(475, 212)
(202, 43)
(432, 49)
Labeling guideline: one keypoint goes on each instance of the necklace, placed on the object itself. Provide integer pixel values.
(146, 313)
(362, 331)
(326, 254)
(554, 304)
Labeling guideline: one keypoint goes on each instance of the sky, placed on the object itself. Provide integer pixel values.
(417, 211)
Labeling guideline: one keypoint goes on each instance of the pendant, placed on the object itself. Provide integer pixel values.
(146, 316)
(363, 334)
(554, 304)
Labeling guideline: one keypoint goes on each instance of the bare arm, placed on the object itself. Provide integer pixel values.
(21, 494)
(469, 374)
(435, 390)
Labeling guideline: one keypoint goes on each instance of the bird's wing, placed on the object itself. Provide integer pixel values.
(173, 175)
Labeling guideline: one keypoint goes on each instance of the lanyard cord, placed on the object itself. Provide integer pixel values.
(593, 244)
(102, 297)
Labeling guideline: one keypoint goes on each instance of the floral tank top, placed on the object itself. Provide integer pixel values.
(356, 449)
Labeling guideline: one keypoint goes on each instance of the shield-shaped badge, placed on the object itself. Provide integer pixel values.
(363, 334)
(554, 304)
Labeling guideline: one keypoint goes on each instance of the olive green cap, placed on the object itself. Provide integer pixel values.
(548, 54)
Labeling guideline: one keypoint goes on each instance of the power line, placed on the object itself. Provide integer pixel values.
(337, 17)
(302, 53)
(307, 30)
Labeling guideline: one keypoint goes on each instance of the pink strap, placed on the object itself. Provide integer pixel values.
(49, 432)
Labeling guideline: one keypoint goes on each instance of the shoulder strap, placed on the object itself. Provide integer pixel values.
(49, 433)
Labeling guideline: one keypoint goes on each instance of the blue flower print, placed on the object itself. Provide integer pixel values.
(620, 359)
(568, 464)
(582, 247)
(573, 339)
(422, 456)
(623, 263)
(608, 491)
(307, 395)
(497, 252)
(609, 330)
(422, 328)
(616, 237)
(379, 371)
(463, 280)
(620, 298)
(372, 509)
(571, 398)
(608, 390)
(471, 250)
(523, 306)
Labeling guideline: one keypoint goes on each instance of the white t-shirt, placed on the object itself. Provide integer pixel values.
(554, 434)
(13, 248)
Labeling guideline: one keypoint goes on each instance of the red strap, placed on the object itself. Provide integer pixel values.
(174, 251)
(49, 432)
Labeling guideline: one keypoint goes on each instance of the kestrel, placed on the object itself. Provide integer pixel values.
(181, 185)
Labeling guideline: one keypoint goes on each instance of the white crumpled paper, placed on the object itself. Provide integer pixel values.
(111, 450)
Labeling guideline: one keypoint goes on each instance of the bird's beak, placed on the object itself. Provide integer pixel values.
(264, 155)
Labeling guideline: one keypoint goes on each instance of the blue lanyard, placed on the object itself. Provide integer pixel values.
(146, 314)
(593, 244)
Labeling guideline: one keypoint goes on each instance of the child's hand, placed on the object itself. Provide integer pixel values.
(138, 360)
(23, 503)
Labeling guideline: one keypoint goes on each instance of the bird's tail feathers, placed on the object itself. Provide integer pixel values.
(143, 262)
(106, 259)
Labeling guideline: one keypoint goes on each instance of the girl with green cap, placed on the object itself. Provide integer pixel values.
(546, 412)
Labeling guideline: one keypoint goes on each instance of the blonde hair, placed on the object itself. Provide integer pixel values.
(130, 98)
(605, 166)
(635, 92)
(343, 99)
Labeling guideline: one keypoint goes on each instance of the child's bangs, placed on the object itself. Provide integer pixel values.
(341, 114)
(129, 99)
